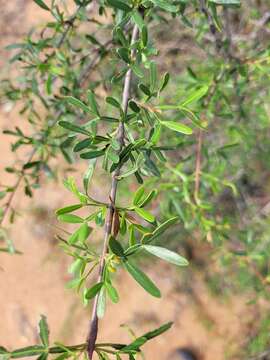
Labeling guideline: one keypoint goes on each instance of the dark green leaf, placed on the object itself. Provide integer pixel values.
(3, 350)
(28, 351)
(93, 291)
(78, 103)
(42, 4)
(124, 54)
(154, 333)
(112, 101)
(73, 127)
(92, 102)
(44, 331)
(92, 154)
(31, 164)
(134, 106)
(116, 247)
(121, 5)
(68, 209)
(144, 35)
(82, 145)
(165, 81)
(165, 5)
(145, 89)
(142, 279)
(135, 345)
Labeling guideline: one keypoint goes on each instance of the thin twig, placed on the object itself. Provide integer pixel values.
(212, 26)
(199, 145)
(92, 336)
(85, 72)
(31, 156)
(81, 81)
(227, 54)
(198, 165)
(15, 188)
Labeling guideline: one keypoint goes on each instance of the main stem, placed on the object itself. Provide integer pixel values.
(92, 336)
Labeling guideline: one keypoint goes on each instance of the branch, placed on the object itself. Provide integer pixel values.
(15, 188)
(227, 54)
(92, 336)
(206, 103)
(212, 26)
(81, 81)
(198, 165)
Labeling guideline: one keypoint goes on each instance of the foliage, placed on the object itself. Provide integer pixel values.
(188, 150)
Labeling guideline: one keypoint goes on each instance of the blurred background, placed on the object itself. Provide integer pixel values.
(219, 305)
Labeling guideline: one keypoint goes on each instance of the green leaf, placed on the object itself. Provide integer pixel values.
(159, 230)
(142, 279)
(137, 70)
(138, 20)
(112, 292)
(175, 126)
(116, 247)
(134, 106)
(154, 333)
(120, 5)
(144, 35)
(148, 198)
(94, 290)
(121, 36)
(88, 175)
(153, 75)
(70, 218)
(82, 145)
(166, 255)
(135, 345)
(83, 232)
(44, 331)
(112, 101)
(92, 154)
(145, 214)
(43, 356)
(68, 209)
(92, 102)
(113, 155)
(3, 350)
(132, 238)
(195, 95)
(138, 195)
(31, 164)
(28, 351)
(42, 4)
(164, 81)
(124, 54)
(145, 89)
(165, 5)
(101, 304)
(78, 103)
(76, 128)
